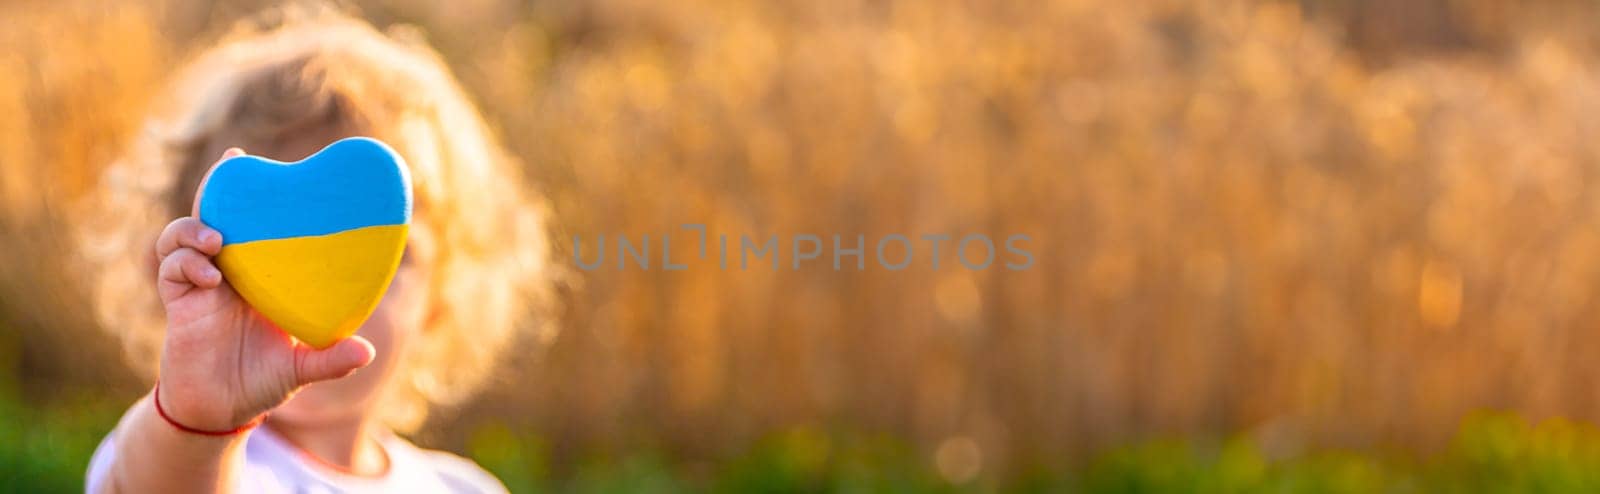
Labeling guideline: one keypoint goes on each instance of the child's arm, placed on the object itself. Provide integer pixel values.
(222, 365)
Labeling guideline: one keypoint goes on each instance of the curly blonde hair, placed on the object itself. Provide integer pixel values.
(292, 71)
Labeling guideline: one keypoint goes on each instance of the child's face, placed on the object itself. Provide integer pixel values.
(394, 325)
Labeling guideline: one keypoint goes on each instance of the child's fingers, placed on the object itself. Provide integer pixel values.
(188, 232)
(187, 267)
(339, 360)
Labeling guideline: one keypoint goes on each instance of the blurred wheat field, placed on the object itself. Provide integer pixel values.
(1343, 223)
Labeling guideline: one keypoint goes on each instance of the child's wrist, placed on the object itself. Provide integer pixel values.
(186, 420)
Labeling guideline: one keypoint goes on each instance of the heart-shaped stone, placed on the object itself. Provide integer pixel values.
(311, 245)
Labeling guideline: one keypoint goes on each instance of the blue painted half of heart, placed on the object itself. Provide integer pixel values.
(353, 183)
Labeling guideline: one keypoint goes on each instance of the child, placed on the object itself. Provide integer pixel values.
(236, 404)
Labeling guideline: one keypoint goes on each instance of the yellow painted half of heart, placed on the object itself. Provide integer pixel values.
(318, 289)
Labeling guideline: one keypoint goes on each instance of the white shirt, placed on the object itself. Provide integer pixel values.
(273, 465)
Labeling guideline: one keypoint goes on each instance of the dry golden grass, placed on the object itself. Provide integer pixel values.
(1247, 217)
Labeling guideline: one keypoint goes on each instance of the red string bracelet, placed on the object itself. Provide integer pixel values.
(163, 413)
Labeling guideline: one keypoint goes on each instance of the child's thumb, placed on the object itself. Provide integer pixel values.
(339, 360)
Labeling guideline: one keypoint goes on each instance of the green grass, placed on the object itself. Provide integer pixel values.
(1492, 453)
(47, 450)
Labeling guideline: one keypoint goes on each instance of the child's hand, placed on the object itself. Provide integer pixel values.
(222, 363)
